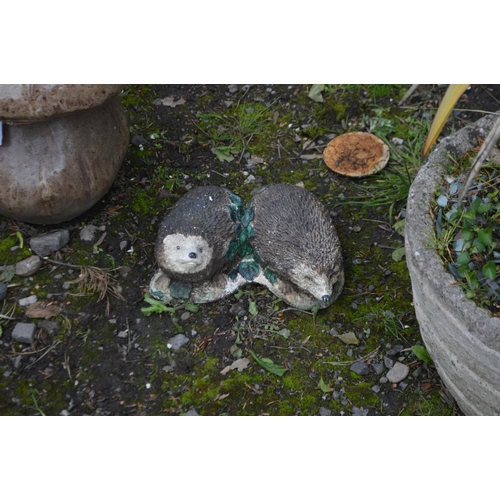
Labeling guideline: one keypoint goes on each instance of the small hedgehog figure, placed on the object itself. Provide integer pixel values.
(193, 239)
(296, 246)
(193, 246)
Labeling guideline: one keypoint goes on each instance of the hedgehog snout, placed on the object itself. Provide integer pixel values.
(325, 298)
(193, 255)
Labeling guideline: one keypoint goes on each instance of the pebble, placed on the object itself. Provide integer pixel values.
(395, 350)
(388, 362)
(383, 380)
(324, 412)
(376, 389)
(123, 245)
(359, 412)
(250, 179)
(233, 88)
(360, 368)
(49, 242)
(238, 309)
(177, 342)
(192, 413)
(87, 233)
(185, 316)
(398, 372)
(28, 267)
(378, 368)
(3, 291)
(24, 333)
(27, 301)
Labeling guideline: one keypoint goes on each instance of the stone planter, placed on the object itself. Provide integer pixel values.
(62, 148)
(462, 339)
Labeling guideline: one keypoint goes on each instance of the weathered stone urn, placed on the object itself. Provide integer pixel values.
(62, 147)
(462, 339)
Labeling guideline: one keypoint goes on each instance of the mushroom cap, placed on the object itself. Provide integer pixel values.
(356, 154)
(35, 102)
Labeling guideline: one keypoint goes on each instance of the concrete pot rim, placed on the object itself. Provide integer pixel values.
(420, 225)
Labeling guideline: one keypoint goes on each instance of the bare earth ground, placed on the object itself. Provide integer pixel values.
(95, 361)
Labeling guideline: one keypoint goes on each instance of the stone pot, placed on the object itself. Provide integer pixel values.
(462, 339)
(61, 151)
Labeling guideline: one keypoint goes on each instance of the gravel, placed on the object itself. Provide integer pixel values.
(24, 333)
(360, 368)
(47, 243)
(28, 267)
(398, 372)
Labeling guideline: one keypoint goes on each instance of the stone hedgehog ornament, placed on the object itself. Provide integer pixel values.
(296, 246)
(193, 246)
(210, 244)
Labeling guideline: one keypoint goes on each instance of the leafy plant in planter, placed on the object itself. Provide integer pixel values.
(462, 338)
(467, 236)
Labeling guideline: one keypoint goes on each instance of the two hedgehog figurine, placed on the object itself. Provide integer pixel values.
(211, 243)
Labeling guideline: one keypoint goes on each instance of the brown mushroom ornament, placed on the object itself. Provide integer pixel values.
(356, 154)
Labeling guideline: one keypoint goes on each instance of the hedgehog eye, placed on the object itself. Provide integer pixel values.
(178, 247)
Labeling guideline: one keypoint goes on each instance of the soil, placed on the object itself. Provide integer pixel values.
(107, 357)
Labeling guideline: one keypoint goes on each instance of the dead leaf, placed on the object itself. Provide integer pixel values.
(239, 364)
(349, 338)
(170, 102)
(43, 310)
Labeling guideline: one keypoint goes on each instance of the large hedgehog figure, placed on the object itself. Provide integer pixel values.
(296, 246)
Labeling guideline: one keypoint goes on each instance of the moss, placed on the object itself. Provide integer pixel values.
(7, 256)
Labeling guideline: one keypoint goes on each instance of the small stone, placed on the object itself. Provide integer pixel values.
(398, 372)
(3, 291)
(378, 368)
(185, 316)
(383, 380)
(177, 342)
(238, 309)
(360, 368)
(138, 140)
(18, 362)
(250, 179)
(24, 333)
(27, 301)
(192, 413)
(324, 412)
(123, 335)
(49, 242)
(376, 389)
(87, 233)
(233, 88)
(388, 362)
(123, 245)
(359, 412)
(29, 266)
(66, 285)
(395, 350)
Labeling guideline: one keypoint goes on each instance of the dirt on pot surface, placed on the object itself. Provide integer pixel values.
(250, 353)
